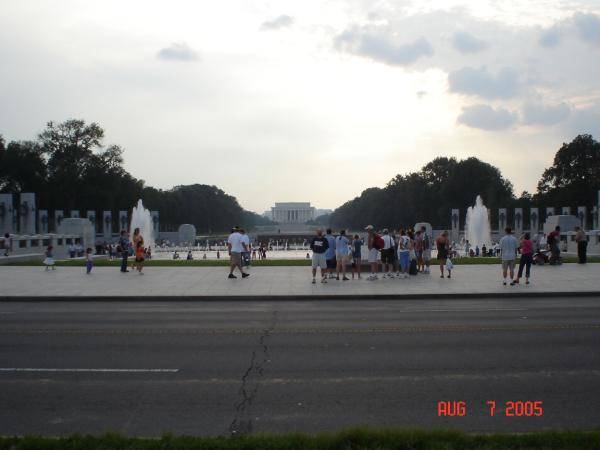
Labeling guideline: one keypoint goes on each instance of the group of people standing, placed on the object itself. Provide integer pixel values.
(407, 253)
(136, 246)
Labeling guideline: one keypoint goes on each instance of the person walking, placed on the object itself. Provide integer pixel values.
(581, 240)
(89, 262)
(442, 244)
(319, 246)
(374, 243)
(357, 244)
(508, 253)
(426, 248)
(7, 244)
(526, 246)
(387, 255)
(49, 260)
(341, 255)
(330, 253)
(553, 242)
(235, 247)
(403, 254)
(246, 253)
(123, 247)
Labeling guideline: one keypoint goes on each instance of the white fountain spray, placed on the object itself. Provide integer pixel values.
(142, 219)
(477, 230)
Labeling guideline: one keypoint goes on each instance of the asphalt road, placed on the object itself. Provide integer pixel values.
(222, 367)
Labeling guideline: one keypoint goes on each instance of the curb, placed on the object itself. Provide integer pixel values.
(304, 297)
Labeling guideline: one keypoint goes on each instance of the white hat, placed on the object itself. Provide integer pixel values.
(369, 227)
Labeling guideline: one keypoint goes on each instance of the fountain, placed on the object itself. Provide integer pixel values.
(477, 225)
(142, 219)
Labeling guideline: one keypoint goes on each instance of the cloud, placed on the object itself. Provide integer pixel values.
(585, 121)
(588, 26)
(481, 83)
(550, 38)
(379, 47)
(540, 114)
(485, 117)
(177, 52)
(467, 43)
(282, 21)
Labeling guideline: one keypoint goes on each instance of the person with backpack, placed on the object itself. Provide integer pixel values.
(387, 255)
(330, 253)
(426, 249)
(341, 255)
(553, 241)
(404, 254)
(374, 244)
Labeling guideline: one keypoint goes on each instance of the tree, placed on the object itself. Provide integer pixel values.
(574, 176)
(22, 167)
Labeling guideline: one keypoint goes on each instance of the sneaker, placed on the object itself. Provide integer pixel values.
(504, 283)
(346, 279)
(231, 276)
(245, 275)
(314, 281)
(527, 282)
(324, 280)
(337, 278)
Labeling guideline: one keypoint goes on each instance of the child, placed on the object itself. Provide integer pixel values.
(88, 261)
(140, 253)
(49, 260)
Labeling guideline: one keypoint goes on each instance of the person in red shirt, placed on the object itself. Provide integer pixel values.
(553, 241)
(526, 258)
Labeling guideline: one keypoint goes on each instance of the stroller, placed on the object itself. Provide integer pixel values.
(541, 257)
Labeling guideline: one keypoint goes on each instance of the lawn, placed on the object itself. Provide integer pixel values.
(354, 439)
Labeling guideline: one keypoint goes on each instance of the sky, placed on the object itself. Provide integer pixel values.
(276, 101)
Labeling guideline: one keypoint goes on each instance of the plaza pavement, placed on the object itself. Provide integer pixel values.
(281, 283)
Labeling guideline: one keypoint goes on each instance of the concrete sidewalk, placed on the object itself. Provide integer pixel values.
(273, 283)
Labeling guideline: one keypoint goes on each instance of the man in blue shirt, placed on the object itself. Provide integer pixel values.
(330, 253)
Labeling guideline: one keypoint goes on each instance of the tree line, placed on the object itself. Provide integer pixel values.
(445, 183)
(69, 168)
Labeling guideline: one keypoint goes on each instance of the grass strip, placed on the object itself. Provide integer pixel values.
(257, 263)
(352, 439)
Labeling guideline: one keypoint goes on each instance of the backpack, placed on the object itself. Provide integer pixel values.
(378, 242)
(412, 270)
(551, 239)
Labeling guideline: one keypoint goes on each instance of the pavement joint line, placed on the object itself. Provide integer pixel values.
(316, 297)
(259, 331)
(50, 369)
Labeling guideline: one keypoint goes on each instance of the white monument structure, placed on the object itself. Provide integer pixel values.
(292, 212)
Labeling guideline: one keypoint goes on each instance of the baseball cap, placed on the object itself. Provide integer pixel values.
(369, 227)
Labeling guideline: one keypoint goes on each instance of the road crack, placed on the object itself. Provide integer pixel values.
(242, 420)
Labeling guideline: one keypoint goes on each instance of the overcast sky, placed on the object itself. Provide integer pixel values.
(306, 100)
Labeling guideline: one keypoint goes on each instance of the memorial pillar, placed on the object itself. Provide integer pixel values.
(519, 220)
(43, 221)
(155, 223)
(455, 221)
(74, 214)
(566, 211)
(534, 217)
(91, 215)
(6, 214)
(107, 224)
(27, 213)
(59, 215)
(502, 220)
(123, 224)
(582, 216)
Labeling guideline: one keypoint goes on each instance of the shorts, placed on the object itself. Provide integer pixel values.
(373, 255)
(236, 258)
(318, 260)
(331, 263)
(404, 258)
(510, 264)
(387, 255)
(343, 257)
(139, 260)
(419, 254)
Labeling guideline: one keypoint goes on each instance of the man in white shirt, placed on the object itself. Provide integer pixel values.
(387, 254)
(508, 250)
(236, 245)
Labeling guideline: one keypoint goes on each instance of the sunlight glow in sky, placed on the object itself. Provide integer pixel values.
(306, 101)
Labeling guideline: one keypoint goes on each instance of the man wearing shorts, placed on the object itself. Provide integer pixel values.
(373, 252)
(236, 245)
(387, 254)
(319, 246)
(404, 254)
(508, 250)
(426, 248)
(330, 253)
